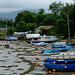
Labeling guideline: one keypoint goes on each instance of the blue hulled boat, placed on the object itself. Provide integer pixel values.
(67, 64)
(70, 67)
(57, 49)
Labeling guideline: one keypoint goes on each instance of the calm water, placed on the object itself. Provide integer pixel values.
(11, 62)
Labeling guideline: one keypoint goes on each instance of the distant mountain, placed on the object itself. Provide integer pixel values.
(12, 15)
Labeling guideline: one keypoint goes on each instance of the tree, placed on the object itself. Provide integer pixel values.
(31, 26)
(41, 11)
(21, 27)
(56, 8)
(10, 30)
(61, 27)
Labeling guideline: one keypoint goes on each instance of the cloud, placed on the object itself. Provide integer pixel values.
(27, 4)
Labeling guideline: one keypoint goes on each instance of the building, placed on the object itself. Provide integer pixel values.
(39, 28)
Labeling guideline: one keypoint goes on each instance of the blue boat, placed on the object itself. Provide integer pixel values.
(72, 44)
(58, 64)
(70, 67)
(60, 61)
(11, 38)
(56, 49)
(34, 42)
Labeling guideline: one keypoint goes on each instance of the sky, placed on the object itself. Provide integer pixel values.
(14, 5)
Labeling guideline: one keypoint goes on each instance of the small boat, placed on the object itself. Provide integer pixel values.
(58, 44)
(72, 44)
(47, 38)
(11, 38)
(65, 67)
(57, 49)
(41, 44)
(60, 61)
(60, 64)
(34, 41)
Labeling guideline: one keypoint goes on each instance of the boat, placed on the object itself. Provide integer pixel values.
(72, 44)
(41, 44)
(60, 64)
(60, 61)
(65, 67)
(47, 38)
(11, 38)
(34, 41)
(56, 49)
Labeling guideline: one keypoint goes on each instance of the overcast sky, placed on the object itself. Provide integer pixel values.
(13, 5)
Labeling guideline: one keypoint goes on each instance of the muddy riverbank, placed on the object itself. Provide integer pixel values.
(21, 59)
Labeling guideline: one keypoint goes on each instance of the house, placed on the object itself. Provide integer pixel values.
(39, 28)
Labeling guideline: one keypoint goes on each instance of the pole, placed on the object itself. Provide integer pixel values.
(68, 29)
(6, 28)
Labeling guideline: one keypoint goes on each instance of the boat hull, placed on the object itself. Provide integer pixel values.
(64, 67)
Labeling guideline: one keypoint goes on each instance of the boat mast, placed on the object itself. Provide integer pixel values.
(6, 30)
(68, 28)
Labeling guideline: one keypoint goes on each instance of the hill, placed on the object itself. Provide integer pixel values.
(12, 15)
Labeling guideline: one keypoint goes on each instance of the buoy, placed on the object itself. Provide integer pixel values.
(65, 67)
(33, 62)
(44, 61)
(63, 57)
(23, 44)
(57, 57)
(6, 46)
(41, 47)
(65, 62)
(22, 57)
(27, 44)
(49, 48)
(46, 47)
(50, 72)
(36, 46)
(36, 57)
(69, 56)
(37, 64)
(25, 60)
(39, 52)
(54, 62)
(54, 70)
(35, 53)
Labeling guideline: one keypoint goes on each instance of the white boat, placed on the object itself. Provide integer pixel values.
(47, 38)
(32, 36)
(41, 44)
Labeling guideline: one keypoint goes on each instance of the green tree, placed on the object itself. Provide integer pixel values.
(10, 30)
(41, 11)
(61, 27)
(21, 26)
(31, 26)
(56, 8)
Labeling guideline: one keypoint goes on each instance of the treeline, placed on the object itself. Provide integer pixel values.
(57, 17)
